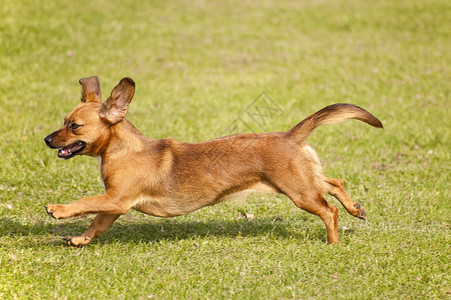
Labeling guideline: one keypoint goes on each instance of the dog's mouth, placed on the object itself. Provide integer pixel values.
(71, 150)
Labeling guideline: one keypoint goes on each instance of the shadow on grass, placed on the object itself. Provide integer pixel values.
(127, 231)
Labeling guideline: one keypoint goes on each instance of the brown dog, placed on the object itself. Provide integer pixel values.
(166, 178)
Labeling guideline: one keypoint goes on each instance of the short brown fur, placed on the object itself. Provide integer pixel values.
(167, 178)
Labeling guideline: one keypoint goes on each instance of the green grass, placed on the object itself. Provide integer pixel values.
(197, 66)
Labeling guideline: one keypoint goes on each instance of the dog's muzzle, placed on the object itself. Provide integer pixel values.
(68, 151)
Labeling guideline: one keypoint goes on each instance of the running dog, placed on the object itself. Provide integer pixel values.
(167, 178)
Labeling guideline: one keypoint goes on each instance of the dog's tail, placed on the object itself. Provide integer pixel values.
(329, 115)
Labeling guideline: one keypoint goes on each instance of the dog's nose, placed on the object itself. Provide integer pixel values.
(48, 140)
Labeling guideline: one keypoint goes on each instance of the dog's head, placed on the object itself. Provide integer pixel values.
(87, 128)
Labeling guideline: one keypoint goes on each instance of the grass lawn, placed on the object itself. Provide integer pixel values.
(198, 66)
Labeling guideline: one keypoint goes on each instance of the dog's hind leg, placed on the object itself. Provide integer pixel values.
(306, 190)
(315, 203)
(336, 188)
(98, 226)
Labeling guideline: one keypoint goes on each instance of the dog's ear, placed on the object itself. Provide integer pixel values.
(115, 107)
(90, 90)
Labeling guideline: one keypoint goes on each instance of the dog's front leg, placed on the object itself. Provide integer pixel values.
(98, 226)
(104, 204)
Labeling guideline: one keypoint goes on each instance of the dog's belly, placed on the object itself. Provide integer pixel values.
(262, 187)
(162, 206)
(167, 207)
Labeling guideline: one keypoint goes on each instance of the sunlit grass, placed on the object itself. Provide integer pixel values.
(197, 66)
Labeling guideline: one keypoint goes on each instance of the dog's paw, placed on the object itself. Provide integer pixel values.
(361, 210)
(56, 211)
(77, 241)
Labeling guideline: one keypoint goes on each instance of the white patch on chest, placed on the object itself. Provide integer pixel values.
(99, 159)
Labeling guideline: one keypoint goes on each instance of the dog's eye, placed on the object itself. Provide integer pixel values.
(74, 126)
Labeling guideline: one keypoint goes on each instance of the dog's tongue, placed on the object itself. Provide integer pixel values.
(69, 150)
